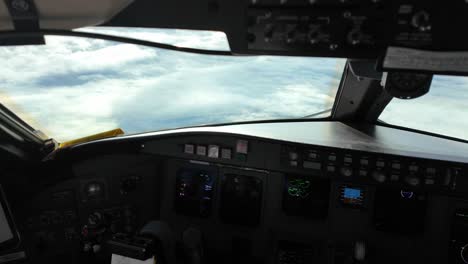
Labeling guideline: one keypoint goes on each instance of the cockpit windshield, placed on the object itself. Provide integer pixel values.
(442, 111)
(73, 87)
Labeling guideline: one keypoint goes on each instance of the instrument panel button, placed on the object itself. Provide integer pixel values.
(312, 155)
(430, 171)
(226, 153)
(429, 181)
(364, 161)
(189, 148)
(293, 155)
(242, 146)
(380, 163)
(201, 150)
(348, 159)
(413, 168)
(312, 165)
(394, 177)
(396, 165)
(213, 151)
(412, 180)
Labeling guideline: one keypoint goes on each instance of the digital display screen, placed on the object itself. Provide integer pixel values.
(241, 199)
(400, 211)
(352, 197)
(194, 191)
(352, 194)
(306, 196)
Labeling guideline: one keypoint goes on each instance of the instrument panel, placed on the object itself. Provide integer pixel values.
(255, 199)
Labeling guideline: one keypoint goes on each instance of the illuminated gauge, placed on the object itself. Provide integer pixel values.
(406, 194)
(242, 146)
(213, 151)
(299, 188)
(94, 190)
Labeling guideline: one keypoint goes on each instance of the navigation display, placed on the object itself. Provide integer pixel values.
(306, 195)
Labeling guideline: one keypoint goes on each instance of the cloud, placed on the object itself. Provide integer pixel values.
(74, 87)
(441, 111)
(178, 37)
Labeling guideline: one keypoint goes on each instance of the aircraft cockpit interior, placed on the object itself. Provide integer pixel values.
(234, 131)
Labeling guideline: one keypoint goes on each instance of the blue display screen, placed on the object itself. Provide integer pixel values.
(350, 193)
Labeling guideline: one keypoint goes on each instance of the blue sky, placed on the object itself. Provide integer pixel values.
(74, 87)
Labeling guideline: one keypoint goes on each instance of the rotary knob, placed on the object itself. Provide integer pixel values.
(314, 37)
(379, 176)
(347, 171)
(268, 34)
(421, 21)
(355, 37)
(291, 37)
(95, 219)
(412, 180)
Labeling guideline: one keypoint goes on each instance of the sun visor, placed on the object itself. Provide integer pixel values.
(66, 14)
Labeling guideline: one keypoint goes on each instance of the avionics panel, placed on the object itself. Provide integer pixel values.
(366, 168)
(335, 28)
(194, 190)
(400, 211)
(241, 199)
(353, 29)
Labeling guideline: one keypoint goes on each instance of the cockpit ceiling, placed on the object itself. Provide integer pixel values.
(63, 14)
